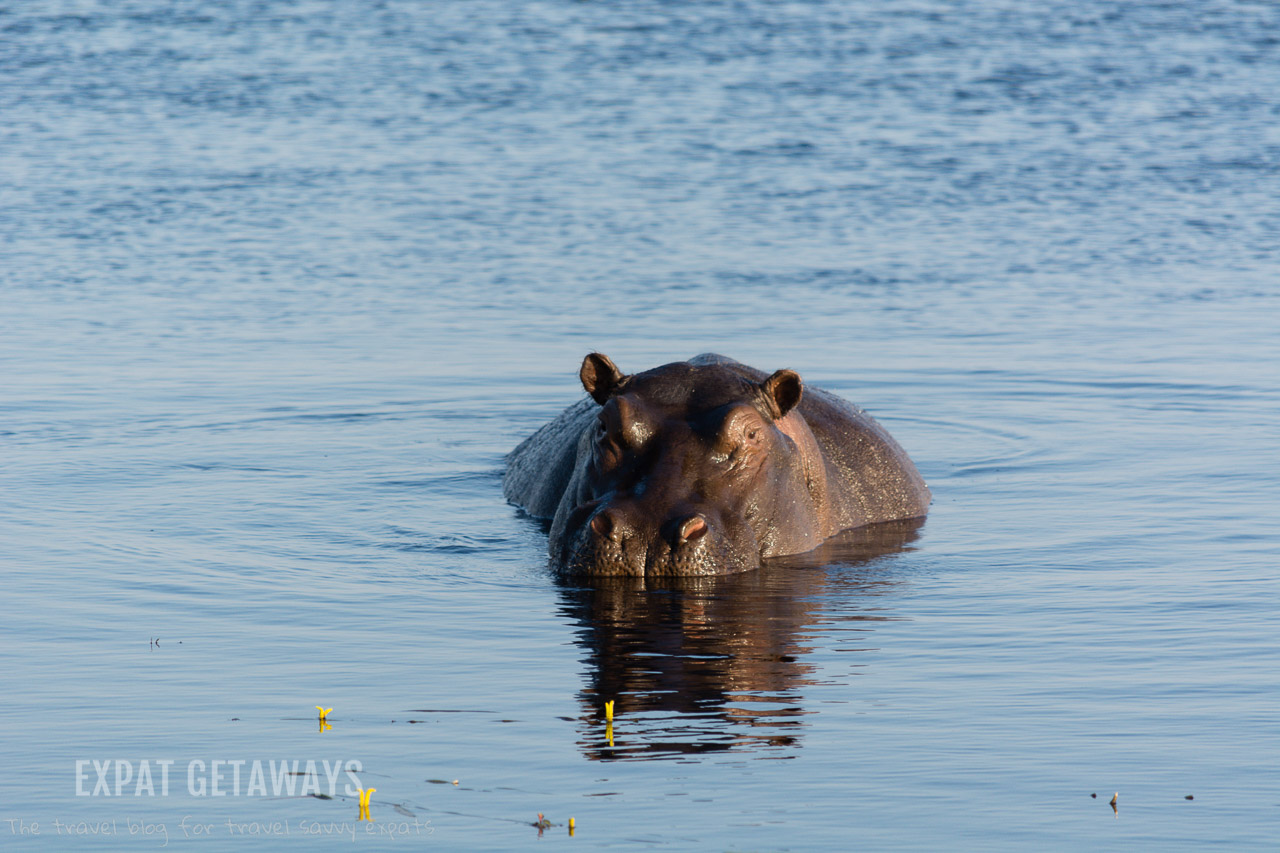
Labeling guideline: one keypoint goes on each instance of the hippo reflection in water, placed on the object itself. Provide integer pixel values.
(705, 467)
(709, 664)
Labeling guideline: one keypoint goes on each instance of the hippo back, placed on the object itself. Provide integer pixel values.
(541, 467)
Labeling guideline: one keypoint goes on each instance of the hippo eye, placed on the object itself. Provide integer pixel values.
(752, 434)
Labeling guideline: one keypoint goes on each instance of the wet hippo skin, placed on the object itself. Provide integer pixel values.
(705, 467)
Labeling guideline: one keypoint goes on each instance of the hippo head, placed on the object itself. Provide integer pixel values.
(688, 469)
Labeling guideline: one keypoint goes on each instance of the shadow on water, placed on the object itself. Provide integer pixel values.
(713, 664)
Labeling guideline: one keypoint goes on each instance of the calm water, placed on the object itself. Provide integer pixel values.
(280, 283)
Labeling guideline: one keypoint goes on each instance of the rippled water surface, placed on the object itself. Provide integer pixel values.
(281, 283)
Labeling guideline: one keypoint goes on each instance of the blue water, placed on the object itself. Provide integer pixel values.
(280, 283)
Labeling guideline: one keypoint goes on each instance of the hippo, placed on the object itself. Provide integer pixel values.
(705, 467)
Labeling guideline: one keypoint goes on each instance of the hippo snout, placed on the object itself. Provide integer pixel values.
(620, 539)
(612, 525)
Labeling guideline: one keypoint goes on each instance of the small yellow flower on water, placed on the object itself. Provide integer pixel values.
(608, 710)
(364, 803)
(571, 824)
(324, 712)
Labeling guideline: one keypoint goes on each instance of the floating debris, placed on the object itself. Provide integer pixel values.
(541, 823)
(1189, 797)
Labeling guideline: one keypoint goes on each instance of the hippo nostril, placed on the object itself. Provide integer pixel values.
(603, 524)
(693, 527)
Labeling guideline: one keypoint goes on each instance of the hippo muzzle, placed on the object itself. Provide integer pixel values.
(618, 536)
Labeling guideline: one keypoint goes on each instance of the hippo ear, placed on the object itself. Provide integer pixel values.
(782, 391)
(600, 376)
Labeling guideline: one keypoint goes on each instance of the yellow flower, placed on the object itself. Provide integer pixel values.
(364, 803)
